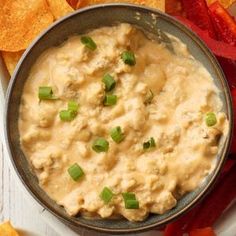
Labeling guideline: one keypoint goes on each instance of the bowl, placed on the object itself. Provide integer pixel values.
(77, 23)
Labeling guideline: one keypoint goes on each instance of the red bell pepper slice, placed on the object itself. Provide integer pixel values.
(188, 222)
(227, 167)
(173, 7)
(174, 229)
(216, 202)
(202, 232)
(197, 12)
(218, 48)
(229, 68)
(224, 24)
(179, 227)
(233, 145)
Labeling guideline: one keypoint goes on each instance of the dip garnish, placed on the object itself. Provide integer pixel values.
(128, 58)
(210, 119)
(71, 112)
(88, 42)
(130, 201)
(45, 93)
(128, 196)
(149, 144)
(73, 106)
(149, 97)
(100, 145)
(75, 172)
(116, 134)
(67, 115)
(110, 100)
(109, 82)
(106, 195)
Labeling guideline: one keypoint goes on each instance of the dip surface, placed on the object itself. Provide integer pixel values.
(185, 147)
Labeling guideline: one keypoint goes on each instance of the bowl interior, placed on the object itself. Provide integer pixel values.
(79, 23)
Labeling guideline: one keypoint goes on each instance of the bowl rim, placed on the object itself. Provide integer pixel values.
(69, 220)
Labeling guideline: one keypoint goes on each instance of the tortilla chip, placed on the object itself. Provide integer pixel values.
(21, 21)
(73, 3)
(59, 8)
(160, 4)
(224, 3)
(11, 59)
(6, 229)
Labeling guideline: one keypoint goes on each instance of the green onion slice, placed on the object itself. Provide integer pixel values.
(106, 195)
(67, 115)
(116, 134)
(149, 144)
(128, 196)
(109, 82)
(130, 201)
(88, 42)
(45, 93)
(131, 204)
(128, 58)
(110, 100)
(75, 172)
(71, 112)
(149, 97)
(210, 119)
(73, 106)
(100, 145)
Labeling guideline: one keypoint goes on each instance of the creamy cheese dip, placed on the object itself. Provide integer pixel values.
(175, 118)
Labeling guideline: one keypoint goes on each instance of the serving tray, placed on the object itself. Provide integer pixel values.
(226, 226)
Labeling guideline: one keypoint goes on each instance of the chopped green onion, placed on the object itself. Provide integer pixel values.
(131, 204)
(100, 145)
(70, 114)
(128, 58)
(75, 172)
(128, 196)
(45, 93)
(109, 82)
(149, 97)
(106, 195)
(149, 144)
(88, 42)
(67, 115)
(110, 100)
(210, 119)
(130, 201)
(73, 106)
(116, 134)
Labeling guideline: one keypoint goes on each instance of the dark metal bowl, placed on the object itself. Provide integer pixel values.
(78, 23)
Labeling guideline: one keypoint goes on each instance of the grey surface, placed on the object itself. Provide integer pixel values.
(78, 23)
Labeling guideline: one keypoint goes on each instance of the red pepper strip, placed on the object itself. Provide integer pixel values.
(178, 227)
(216, 202)
(174, 7)
(233, 145)
(202, 232)
(183, 224)
(218, 48)
(227, 167)
(174, 229)
(229, 68)
(197, 12)
(224, 24)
